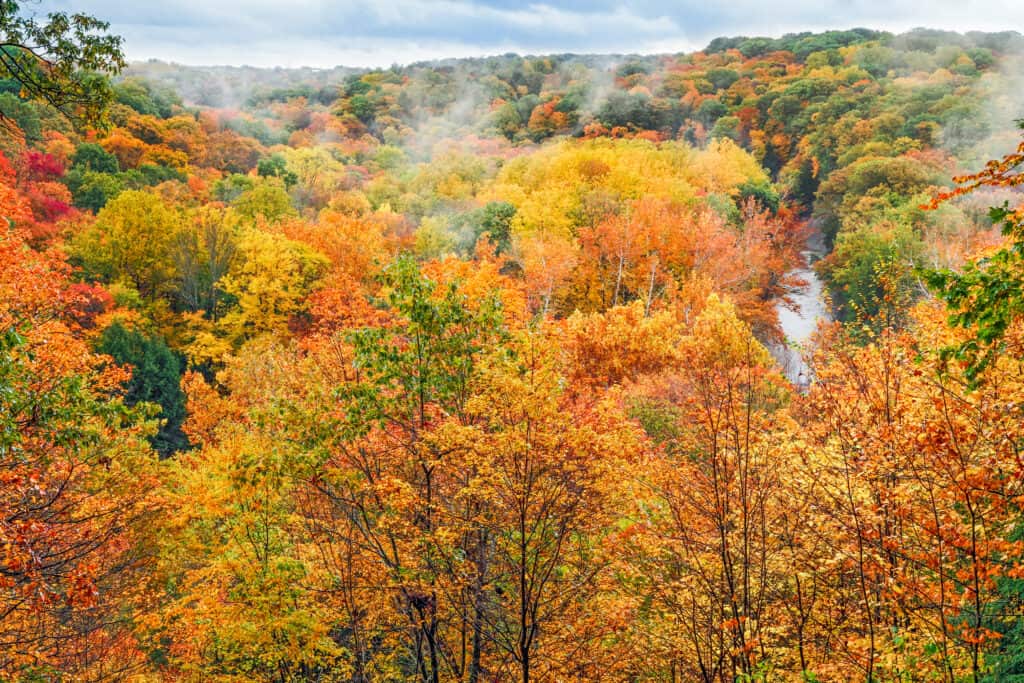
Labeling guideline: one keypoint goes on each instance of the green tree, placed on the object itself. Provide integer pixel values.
(803, 185)
(91, 190)
(870, 189)
(204, 253)
(146, 98)
(1006, 662)
(494, 220)
(60, 60)
(987, 295)
(232, 187)
(410, 374)
(721, 78)
(91, 157)
(23, 114)
(727, 127)
(267, 198)
(275, 166)
(156, 379)
(871, 274)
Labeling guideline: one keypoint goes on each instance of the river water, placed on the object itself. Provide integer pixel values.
(800, 322)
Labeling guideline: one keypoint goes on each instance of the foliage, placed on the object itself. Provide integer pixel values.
(155, 379)
(131, 242)
(60, 61)
(987, 296)
(460, 370)
(78, 482)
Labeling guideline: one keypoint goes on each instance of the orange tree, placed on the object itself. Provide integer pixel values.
(75, 477)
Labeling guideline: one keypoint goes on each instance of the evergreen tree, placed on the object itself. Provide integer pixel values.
(156, 378)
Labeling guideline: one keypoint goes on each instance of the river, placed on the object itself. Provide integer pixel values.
(800, 322)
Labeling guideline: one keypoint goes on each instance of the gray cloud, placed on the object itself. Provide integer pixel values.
(360, 33)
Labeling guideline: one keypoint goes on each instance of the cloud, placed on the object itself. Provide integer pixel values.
(359, 33)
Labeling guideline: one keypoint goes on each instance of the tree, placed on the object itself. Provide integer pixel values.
(275, 166)
(545, 490)
(714, 498)
(78, 486)
(926, 486)
(267, 199)
(871, 189)
(269, 282)
(493, 219)
(92, 157)
(91, 190)
(155, 379)
(871, 272)
(127, 149)
(131, 241)
(385, 469)
(22, 115)
(619, 345)
(60, 61)
(547, 261)
(243, 608)
(987, 296)
(228, 151)
(1006, 660)
(204, 252)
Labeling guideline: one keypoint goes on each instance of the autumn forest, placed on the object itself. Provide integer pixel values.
(476, 370)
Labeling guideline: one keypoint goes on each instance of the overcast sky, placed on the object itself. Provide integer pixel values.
(382, 32)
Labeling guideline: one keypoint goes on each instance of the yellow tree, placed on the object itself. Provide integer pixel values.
(249, 601)
(131, 241)
(272, 277)
(713, 502)
(548, 479)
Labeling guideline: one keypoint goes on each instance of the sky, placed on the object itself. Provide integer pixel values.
(367, 33)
